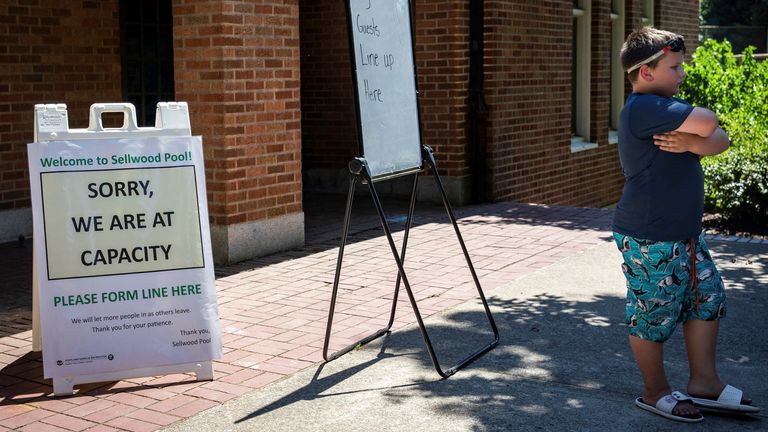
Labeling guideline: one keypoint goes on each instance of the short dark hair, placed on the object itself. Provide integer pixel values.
(641, 44)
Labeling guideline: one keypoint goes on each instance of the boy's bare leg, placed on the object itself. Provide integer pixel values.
(650, 360)
(701, 344)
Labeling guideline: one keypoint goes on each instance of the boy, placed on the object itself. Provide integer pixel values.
(670, 275)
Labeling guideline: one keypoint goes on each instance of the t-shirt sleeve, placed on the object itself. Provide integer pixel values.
(655, 114)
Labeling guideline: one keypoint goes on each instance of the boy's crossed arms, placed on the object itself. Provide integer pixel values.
(699, 134)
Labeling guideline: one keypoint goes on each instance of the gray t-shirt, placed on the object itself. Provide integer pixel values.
(663, 197)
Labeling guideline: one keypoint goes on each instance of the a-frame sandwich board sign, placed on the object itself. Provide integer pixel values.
(123, 270)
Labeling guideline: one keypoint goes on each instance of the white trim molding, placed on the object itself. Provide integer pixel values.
(578, 144)
(582, 32)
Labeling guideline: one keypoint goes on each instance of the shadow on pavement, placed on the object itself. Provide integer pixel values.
(319, 385)
(561, 364)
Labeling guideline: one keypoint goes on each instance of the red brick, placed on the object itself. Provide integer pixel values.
(192, 408)
(170, 404)
(101, 428)
(133, 425)
(241, 376)
(41, 427)
(90, 408)
(68, 422)
(115, 411)
(233, 389)
(54, 405)
(249, 59)
(11, 410)
(131, 399)
(263, 379)
(211, 395)
(58, 62)
(154, 417)
(26, 418)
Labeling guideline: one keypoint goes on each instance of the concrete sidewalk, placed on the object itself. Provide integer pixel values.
(563, 348)
(562, 364)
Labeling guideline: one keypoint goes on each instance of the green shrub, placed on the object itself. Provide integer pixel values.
(736, 185)
(735, 182)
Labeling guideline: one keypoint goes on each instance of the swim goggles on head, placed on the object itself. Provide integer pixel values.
(675, 45)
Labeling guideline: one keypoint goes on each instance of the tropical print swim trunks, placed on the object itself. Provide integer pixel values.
(659, 290)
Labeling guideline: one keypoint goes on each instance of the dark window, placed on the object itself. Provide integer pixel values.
(147, 55)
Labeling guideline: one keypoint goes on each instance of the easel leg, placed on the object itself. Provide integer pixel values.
(404, 278)
(431, 160)
(358, 168)
(332, 308)
(408, 223)
(344, 232)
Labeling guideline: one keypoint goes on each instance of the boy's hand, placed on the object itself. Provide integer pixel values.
(676, 142)
(681, 142)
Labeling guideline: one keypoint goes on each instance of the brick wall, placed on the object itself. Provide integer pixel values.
(682, 17)
(442, 63)
(634, 12)
(528, 90)
(237, 64)
(329, 125)
(51, 51)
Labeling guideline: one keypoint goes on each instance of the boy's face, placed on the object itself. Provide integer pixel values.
(668, 74)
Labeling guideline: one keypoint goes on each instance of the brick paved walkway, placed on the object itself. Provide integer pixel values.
(273, 310)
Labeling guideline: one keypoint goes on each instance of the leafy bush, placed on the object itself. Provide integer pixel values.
(736, 186)
(736, 182)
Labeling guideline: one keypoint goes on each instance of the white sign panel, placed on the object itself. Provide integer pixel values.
(386, 85)
(123, 254)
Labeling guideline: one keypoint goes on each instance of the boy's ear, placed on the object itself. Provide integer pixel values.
(645, 73)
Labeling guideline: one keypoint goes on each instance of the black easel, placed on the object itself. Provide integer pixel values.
(359, 172)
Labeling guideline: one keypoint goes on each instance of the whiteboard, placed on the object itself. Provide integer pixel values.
(385, 80)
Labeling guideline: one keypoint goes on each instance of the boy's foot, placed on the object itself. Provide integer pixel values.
(704, 391)
(727, 399)
(675, 406)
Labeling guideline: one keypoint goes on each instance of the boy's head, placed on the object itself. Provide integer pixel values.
(648, 46)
